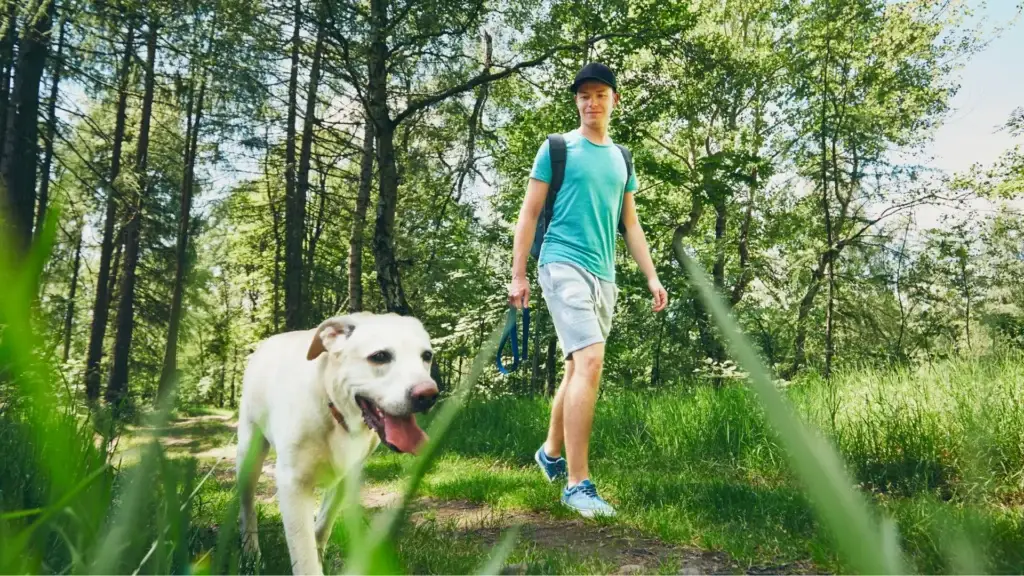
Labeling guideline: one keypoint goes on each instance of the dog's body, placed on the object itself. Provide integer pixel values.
(325, 399)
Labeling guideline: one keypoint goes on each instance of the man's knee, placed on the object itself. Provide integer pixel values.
(589, 361)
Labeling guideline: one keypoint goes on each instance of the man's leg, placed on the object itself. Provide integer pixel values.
(556, 428)
(578, 410)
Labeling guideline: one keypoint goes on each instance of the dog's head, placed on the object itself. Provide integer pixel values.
(382, 363)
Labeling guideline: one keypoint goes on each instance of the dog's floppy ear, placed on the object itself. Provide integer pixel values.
(328, 333)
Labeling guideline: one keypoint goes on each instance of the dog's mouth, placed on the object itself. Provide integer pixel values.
(400, 433)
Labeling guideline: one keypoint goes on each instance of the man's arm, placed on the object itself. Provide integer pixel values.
(636, 243)
(526, 227)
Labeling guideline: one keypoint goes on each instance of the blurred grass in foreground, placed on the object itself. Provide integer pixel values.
(67, 507)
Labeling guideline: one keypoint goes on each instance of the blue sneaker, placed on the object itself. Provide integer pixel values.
(552, 469)
(583, 498)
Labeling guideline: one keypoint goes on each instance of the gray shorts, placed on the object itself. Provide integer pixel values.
(581, 304)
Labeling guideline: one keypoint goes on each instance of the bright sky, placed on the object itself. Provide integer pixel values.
(991, 86)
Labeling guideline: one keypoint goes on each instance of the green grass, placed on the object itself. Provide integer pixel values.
(702, 466)
(875, 471)
(417, 545)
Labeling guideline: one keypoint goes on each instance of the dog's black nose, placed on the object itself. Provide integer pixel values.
(423, 396)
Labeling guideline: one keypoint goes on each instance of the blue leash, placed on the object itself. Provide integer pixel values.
(510, 334)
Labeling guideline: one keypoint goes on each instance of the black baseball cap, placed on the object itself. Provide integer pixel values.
(594, 71)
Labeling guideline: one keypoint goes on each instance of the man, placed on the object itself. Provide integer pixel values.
(577, 274)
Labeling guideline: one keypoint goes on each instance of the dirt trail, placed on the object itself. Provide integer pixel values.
(211, 439)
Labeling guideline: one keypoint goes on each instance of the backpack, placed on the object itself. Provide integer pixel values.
(557, 153)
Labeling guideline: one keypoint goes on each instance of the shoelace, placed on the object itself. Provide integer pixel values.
(588, 489)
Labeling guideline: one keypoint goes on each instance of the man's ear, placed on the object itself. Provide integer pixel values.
(329, 334)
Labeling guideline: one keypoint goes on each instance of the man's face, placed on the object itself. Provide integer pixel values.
(595, 101)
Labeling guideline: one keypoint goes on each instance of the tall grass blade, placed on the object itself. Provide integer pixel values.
(129, 519)
(53, 509)
(843, 511)
(500, 552)
(385, 525)
(118, 539)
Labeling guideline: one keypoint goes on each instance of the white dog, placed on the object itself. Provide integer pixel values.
(325, 398)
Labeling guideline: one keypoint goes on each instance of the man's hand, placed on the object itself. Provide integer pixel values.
(636, 243)
(519, 292)
(659, 294)
(533, 203)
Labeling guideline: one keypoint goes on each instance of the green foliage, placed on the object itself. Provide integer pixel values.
(771, 141)
(66, 508)
(936, 449)
(721, 105)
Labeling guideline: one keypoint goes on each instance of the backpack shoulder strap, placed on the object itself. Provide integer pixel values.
(627, 156)
(557, 153)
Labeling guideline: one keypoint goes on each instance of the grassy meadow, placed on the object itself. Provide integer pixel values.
(699, 478)
(701, 467)
(900, 470)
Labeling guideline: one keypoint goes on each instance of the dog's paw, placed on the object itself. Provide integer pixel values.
(251, 547)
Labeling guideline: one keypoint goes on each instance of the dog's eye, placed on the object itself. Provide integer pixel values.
(380, 357)
(428, 356)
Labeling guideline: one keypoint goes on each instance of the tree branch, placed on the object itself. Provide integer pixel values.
(422, 103)
(669, 149)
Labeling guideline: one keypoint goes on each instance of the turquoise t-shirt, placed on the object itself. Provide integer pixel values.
(585, 216)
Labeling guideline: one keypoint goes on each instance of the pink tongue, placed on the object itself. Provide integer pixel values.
(403, 433)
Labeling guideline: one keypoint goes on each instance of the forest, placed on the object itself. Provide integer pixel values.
(183, 180)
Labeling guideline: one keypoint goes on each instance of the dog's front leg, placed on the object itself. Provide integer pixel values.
(328, 512)
(295, 497)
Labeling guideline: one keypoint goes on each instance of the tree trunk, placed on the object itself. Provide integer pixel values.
(536, 383)
(744, 248)
(899, 295)
(69, 312)
(277, 285)
(461, 357)
(117, 386)
(234, 374)
(202, 354)
(467, 164)
(830, 321)
(820, 269)
(825, 207)
(709, 344)
(355, 250)
(721, 216)
(101, 306)
(474, 123)
(314, 240)
(7, 42)
(51, 132)
(712, 346)
(115, 266)
(21, 146)
(967, 296)
(656, 364)
(388, 275)
(830, 304)
(194, 115)
(805, 309)
(552, 367)
(223, 379)
(294, 207)
(275, 217)
(302, 178)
